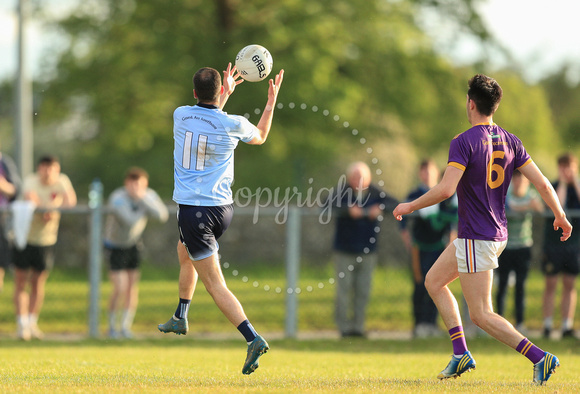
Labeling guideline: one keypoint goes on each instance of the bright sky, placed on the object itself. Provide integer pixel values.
(541, 34)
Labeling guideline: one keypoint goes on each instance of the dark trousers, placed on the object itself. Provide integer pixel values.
(424, 309)
(517, 260)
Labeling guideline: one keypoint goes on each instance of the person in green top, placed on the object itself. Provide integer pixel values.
(425, 237)
(521, 201)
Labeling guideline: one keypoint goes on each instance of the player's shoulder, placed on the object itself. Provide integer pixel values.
(512, 139)
(183, 110)
(234, 121)
(463, 134)
(467, 133)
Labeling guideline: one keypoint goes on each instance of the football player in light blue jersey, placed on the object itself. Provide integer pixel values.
(205, 139)
(481, 163)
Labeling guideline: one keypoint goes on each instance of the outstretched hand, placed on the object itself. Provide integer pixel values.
(274, 86)
(232, 78)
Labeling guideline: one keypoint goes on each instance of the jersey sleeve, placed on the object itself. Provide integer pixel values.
(522, 158)
(458, 153)
(241, 128)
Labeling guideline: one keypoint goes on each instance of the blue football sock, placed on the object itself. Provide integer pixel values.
(182, 309)
(247, 331)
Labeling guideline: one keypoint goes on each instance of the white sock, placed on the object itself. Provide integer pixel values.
(32, 320)
(127, 321)
(567, 324)
(548, 322)
(22, 320)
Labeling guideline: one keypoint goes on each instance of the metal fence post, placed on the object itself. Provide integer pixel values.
(95, 254)
(292, 270)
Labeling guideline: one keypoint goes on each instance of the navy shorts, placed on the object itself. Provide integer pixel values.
(565, 258)
(36, 258)
(201, 227)
(123, 258)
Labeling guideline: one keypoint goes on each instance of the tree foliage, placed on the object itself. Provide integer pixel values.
(564, 100)
(362, 81)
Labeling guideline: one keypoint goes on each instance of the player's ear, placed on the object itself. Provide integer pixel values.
(194, 94)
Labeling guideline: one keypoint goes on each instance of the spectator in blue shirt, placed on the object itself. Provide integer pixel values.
(358, 205)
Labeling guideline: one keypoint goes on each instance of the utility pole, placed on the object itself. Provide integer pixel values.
(23, 118)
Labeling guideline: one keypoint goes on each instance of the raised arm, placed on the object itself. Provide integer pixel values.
(548, 194)
(232, 78)
(265, 122)
(440, 192)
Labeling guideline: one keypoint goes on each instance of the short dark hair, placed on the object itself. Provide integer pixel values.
(566, 159)
(207, 83)
(485, 93)
(47, 160)
(135, 173)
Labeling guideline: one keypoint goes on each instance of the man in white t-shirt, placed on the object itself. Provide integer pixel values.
(205, 139)
(48, 188)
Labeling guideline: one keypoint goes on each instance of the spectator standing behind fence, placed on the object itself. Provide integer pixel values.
(521, 201)
(431, 230)
(359, 205)
(130, 208)
(9, 189)
(563, 258)
(50, 190)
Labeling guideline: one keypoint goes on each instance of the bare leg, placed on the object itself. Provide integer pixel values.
(568, 296)
(21, 298)
(187, 273)
(443, 272)
(132, 289)
(37, 285)
(210, 273)
(477, 291)
(549, 295)
(131, 296)
(119, 282)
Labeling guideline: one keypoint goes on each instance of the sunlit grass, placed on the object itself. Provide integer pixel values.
(262, 291)
(182, 364)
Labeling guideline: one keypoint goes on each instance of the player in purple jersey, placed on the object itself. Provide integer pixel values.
(481, 163)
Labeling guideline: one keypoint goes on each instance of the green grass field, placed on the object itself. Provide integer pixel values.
(261, 289)
(177, 364)
(210, 358)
